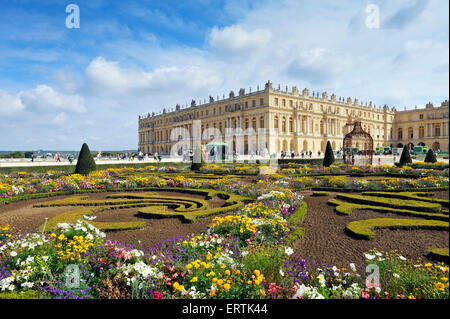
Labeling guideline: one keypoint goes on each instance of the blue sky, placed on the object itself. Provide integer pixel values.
(61, 87)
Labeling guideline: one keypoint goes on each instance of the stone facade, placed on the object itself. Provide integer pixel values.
(273, 119)
(427, 127)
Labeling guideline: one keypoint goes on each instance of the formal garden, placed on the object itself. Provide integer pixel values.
(226, 230)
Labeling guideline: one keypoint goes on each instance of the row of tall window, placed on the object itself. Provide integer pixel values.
(437, 132)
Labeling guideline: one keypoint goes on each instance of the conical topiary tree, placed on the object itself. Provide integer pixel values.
(85, 163)
(431, 157)
(329, 156)
(406, 157)
(198, 160)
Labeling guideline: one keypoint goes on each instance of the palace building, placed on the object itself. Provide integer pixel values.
(281, 120)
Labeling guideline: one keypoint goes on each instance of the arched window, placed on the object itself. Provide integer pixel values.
(291, 125)
(410, 132)
(254, 123)
(400, 133)
(246, 124)
(283, 124)
(421, 132)
(275, 122)
(261, 122)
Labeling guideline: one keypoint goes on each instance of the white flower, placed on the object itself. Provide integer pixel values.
(282, 272)
(353, 267)
(396, 275)
(369, 256)
(289, 251)
(13, 254)
(401, 258)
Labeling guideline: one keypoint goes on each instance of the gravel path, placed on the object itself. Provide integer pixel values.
(325, 240)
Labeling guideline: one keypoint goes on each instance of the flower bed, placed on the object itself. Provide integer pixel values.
(244, 255)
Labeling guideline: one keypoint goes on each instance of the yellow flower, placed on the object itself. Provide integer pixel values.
(212, 293)
(227, 286)
(428, 265)
(257, 273)
(176, 285)
(440, 286)
(227, 272)
(262, 292)
(180, 287)
(411, 297)
(188, 266)
(194, 279)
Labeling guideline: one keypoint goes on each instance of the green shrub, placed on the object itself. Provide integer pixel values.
(415, 205)
(329, 156)
(431, 157)
(267, 260)
(85, 163)
(440, 254)
(319, 193)
(348, 208)
(198, 159)
(405, 159)
(364, 228)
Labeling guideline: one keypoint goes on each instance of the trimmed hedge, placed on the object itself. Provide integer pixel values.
(348, 208)
(439, 254)
(319, 193)
(364, 228)
(296, 219)
(185, 208)
(414, 205)
(410, 195)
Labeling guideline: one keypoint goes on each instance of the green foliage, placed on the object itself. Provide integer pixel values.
(348, 208)
(267, 260)
(440, 254)
(319, 193)
(27, 294)
(364, 228)
(198, 159)
(85, 163)
(405, 159)
(329, 156)
(414, 205)
(431, 157)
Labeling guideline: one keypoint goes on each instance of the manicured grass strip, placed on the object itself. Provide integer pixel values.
(439, 254)
(27, 294)
(295, 219)
(319, 193)
(345, 208)
(392, 202)
(364, 228)
(76, 214)
(233, 202)
(426, 197)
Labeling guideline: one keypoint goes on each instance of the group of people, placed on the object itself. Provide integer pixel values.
(303, 154)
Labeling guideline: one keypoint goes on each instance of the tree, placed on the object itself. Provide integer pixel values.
(198, 160)
(85, 163)
(406, 157)
(329, 156)
(431, 157)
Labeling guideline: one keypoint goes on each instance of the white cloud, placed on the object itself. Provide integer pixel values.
(106, 75)
(235, 38)
(45, 99)
(60, 119)
(10, 103)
